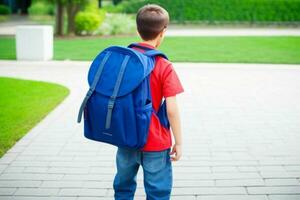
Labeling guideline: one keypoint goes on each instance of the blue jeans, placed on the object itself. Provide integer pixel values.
(157, 170)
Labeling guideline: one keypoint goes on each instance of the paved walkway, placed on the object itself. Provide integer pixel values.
(9, 28)
(240, 126)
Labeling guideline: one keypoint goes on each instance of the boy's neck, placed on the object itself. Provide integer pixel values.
(152, 43)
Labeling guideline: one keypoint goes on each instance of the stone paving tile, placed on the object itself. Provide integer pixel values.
(33, 177)
(6, 197)
(41, 198)
(2, 168)
(208, 190)
(93, 198)
(240, 129)
(225, 169)
(36, 170)
(36, 192)
(274, 190)
(193, 183)
(8, 158)
(7, 191)
(69, 170)
(271, 168)
(282, 174)
(83, 192)
(278, 182)
(11, 169)
(100, 184)
(284, 197)
(292, 168)
(192, 197)
(62, 184)
(232, 197)
(29, 164)
(19, 184)
(88, 177)
(241, 182)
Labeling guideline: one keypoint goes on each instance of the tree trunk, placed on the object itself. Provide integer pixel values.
(59, 19)
(100, 3)
(72, 10)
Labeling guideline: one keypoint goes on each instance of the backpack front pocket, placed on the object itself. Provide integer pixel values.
(143, 118)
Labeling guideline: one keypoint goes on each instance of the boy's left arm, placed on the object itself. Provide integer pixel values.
(174, 119)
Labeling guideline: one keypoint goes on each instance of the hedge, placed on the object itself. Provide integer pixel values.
(4, 10)
(224, 10)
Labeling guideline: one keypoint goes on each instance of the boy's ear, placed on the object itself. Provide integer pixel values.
(138, 34)
(162, 33)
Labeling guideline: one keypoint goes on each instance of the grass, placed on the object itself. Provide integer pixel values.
(254, 49)
(23, 104)
(3, 18)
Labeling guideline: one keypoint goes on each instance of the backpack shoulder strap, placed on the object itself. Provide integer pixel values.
(153, 53)
(93, 86)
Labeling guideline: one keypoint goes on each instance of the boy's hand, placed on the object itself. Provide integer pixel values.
(176, 152)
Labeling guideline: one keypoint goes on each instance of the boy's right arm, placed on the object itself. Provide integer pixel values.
(174, 119)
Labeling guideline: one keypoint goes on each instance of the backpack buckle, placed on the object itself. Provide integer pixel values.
(110, 104)
(89, 93)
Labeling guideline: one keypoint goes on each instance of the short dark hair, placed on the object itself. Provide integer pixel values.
(151, 19)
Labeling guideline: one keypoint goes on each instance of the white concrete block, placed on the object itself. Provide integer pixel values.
(34, 42)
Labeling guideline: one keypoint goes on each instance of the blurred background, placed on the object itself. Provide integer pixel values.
(91, 17)
(100, 20)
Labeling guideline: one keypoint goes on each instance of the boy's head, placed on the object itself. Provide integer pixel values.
(151, 21)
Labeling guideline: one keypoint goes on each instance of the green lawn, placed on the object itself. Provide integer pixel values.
(183, 49)
(23, 104)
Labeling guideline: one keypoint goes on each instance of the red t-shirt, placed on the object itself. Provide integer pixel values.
(164, 82)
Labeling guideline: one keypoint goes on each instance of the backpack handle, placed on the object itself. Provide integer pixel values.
(148, 51)
(139, 46)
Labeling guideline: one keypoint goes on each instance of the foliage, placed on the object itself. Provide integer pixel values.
(225, 10)
(41, 8)
(23, 105)
(115, 2)
(118, 24)
(4, 10)
(114, 8)
(87, 22)
(91, 6)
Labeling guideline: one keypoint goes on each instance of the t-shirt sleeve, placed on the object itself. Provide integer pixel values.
(171, 83)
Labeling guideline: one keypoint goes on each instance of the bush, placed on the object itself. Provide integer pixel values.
(118, 24)
(86, 23)
(225, 10)
(91, 6)
(114, 9)
(41, 8)
(115, 2)
(4, 10)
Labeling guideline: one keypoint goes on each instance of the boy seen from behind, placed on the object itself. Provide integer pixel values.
(156, 156)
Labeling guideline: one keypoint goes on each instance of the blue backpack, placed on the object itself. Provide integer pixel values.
(118, 106)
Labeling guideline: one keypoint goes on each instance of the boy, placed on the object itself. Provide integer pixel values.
(155, 157)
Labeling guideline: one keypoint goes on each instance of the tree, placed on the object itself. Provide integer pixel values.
(59, 17)
(73, 8)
